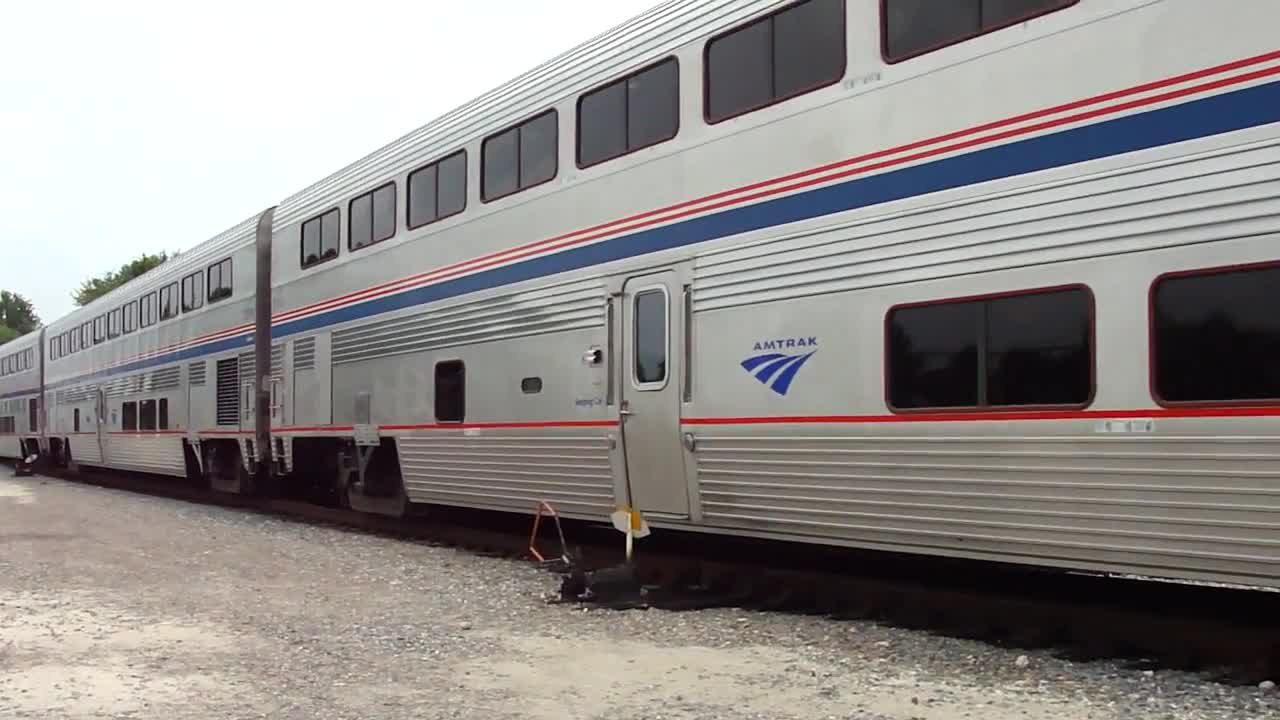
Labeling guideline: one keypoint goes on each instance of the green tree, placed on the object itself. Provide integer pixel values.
(94, 288)
(17, 316)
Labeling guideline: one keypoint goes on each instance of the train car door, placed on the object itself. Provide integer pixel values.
(649, 393)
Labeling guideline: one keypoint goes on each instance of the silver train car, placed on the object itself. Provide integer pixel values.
(994, 283)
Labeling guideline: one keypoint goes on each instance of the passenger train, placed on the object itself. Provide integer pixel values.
(989, 279)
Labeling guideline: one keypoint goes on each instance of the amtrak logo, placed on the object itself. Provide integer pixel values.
(775, 369)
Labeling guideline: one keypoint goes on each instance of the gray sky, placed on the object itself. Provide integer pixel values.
(139, 126)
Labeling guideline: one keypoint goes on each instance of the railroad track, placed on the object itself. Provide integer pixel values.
(1230, 635)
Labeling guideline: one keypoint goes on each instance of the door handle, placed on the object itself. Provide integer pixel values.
(625, 413)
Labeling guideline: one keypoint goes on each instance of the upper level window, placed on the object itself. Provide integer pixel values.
(438, 190)
(219, 285)
(1216, 336)
(788, 53)
(99, 329)
(86, 335)
(1027, 349)
(193, 291)
(520, 157)
(130, 316)
(147, 310)
(915, 27)
(113, 323)
(372, 217)
(635, 112)
(320, 238)
(169, 301)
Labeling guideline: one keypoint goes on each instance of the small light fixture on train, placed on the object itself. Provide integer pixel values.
(593, 356)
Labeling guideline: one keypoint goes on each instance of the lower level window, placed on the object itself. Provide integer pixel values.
(1216, 336)
(129, 416)
(1034, 348)
(451, 385)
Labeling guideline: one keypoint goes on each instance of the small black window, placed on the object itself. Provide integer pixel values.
(147, 415)
(1216, 336)
(147, 312)
(164, 414)
(129, 416)
(372, 217)
(33, 415)
(193, 292)
(438, 190)
(635, 112)
(130, 316)
(531, 385)
(520, 157)
(651, 336)
(169, 301)
(219, 284)
(1028, 349)
(914, 27)
(791, 52)
(320, 238)
(451, 382)
(75, 420)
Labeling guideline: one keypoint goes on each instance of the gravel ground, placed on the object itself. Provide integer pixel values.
(121, 606)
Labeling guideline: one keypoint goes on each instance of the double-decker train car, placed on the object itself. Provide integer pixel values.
(19, 396)
(982, 279)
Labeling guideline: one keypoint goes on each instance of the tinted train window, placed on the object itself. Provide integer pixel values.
(163, 423)
(372, 217)
(913, 27)
(1217, 336)
(129, 416)
(320, 238)
(451, 398)
(651, 336)
(219, 280)
(193, 292)
(130, 316)
(99, 329)
(438, 190)
(791, 52)
(634, 112)
(169, 301)
(147, 311)
(1032, 349)
(520, 157)
(147, 415)
(86, 336)
(531, 385)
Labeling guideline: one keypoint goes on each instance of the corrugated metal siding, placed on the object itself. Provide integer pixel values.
(1174, 502)
(1201, 198)
(85, 450)
(161, 454)
(78, 394)
(647, 37)
(509, 470)
(559, 308)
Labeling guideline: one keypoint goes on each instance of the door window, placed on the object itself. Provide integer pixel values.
(650, 339)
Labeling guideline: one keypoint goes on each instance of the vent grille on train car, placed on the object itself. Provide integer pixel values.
(195, 373)
(277, 361)
(304, 354)
(228, 379)
(166, 379)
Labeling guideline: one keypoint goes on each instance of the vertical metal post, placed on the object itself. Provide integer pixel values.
(262, 342)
